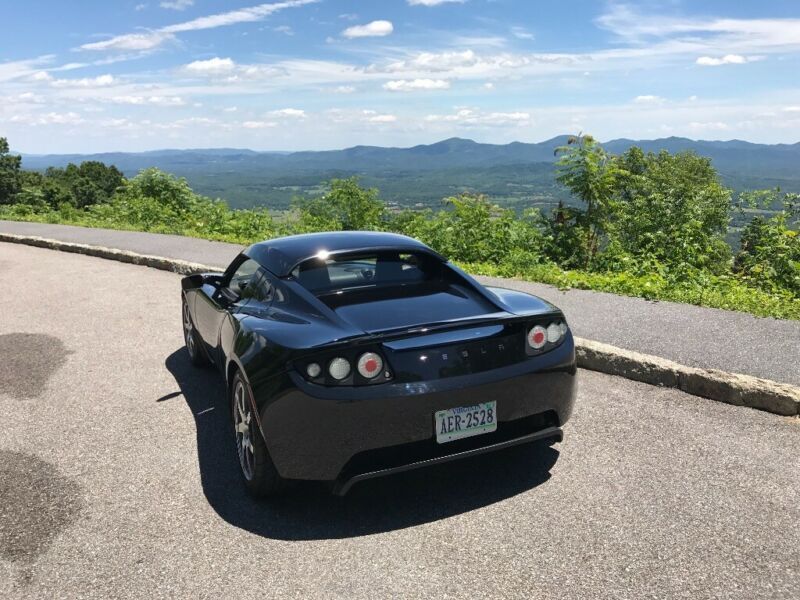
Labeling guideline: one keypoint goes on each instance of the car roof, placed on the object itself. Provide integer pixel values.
(282, 255)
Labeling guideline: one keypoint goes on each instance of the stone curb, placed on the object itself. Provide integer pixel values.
(157, 262)
(731, 388)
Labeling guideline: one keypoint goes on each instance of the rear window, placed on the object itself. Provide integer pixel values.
(373, 270)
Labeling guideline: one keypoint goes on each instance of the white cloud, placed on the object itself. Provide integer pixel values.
(648, 99)
(51, 118)
(728, 59)
(155, 38)
(791, 109)
(349, 16)
(86, 82)
(41, 76)
(131, 41)
(431, 61)
(488, 85)
(230, 109)
(382, 118)
(149, 100)
(177, 4)
(410, 85)
(284, 29)
(474, 117)
(292, 113)
(433, 2)
(344, 89)
(139, 7)
(212, 66)
(709, 126)
(522, 33)
(373, 29)
(258, 124)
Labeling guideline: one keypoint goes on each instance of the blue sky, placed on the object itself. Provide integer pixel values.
(320, 74)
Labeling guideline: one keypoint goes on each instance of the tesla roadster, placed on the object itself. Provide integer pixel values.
(353, 355)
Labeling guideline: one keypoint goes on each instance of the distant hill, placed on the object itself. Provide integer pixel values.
(516, 174)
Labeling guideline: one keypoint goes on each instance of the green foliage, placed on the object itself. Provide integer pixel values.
(648, 225)
(345, 206)
(769, 256)
(9, 173)
(591, 174)
(671, 209)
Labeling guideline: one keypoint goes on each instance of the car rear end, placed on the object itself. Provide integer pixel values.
(440, 372)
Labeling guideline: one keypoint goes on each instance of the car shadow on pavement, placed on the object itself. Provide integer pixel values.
(309, 511)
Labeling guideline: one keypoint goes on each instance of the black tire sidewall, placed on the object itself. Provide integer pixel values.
(266, 481)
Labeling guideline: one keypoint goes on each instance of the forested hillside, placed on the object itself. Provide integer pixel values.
(516, 175)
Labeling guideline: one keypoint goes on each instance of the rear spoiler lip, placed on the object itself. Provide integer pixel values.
(384, 335)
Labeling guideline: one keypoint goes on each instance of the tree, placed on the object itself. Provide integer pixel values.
(769, 253)
(346, 206)
(672, 208)
(10, 182)
(590, 173)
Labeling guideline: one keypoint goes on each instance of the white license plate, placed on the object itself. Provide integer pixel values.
(465, 421)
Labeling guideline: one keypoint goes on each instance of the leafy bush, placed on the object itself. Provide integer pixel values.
(770, 249)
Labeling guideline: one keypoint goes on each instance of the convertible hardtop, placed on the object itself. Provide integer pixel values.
(281, 255)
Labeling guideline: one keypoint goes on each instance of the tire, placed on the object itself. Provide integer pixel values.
(255, 464)
(191, 338)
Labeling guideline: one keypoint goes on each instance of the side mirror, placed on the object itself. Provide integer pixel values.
(192, 282)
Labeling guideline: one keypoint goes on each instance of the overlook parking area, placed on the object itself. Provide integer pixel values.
(118, 479)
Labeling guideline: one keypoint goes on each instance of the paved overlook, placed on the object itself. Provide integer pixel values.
(118, 479)
(691, 335)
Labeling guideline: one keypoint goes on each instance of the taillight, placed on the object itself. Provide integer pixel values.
(539, 336)
(370, 365)
(339, 368)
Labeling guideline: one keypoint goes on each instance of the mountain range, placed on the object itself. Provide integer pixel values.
(516, 174)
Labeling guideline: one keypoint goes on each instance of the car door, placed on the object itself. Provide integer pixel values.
(216, 305)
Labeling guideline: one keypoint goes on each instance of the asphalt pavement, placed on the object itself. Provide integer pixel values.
(118, 479)
(690, 335)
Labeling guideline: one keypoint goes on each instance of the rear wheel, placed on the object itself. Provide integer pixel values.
(192, 339)
(259, 473)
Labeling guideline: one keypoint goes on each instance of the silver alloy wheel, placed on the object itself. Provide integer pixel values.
(242, 420)
(188, 331)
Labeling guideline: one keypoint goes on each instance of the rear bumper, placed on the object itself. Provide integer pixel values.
(350, 434)
(346, 481)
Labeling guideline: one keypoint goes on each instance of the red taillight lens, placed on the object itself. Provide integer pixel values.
(537, 337)
(370, 365)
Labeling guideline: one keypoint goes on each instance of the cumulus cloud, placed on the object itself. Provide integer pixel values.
(474, 117)
(373, 29)
(648, 99)
(728, 59)
(410, 85)
(85, 82)
(212, 66)
(51, 118)
(149, 100)
(382, 119)
(258, 124)
(292, 113)
(177, 4)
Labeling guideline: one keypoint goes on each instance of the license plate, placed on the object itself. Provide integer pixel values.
(465, 421)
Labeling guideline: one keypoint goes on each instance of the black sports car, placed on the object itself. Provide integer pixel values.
(353, 355)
